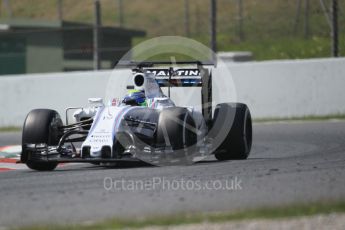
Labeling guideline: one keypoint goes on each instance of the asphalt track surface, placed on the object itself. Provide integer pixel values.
(289, 163)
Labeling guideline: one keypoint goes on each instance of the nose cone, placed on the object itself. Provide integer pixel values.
(96, 151)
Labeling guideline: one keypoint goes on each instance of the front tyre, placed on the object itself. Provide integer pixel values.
(176, 129)
(234, 121)
(40, 126)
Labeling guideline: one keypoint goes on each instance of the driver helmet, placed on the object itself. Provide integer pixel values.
(135, 97)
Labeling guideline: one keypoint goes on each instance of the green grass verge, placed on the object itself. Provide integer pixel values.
(268, 49)
(306, 118)
(268, 26)
(283, 48)
(290, 211)
(10, 129)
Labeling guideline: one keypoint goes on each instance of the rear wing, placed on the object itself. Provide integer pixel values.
(186, 77)
(171, 73)
(147, 64)
(180, 74)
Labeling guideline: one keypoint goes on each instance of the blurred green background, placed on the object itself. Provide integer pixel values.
(271, 29)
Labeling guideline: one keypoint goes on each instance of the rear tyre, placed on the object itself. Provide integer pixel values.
(176, 129)
(40, 126)
(234, 122)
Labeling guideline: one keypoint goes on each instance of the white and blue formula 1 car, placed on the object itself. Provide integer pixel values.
(145, 126)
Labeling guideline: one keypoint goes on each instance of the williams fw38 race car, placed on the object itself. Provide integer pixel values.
(144, 126)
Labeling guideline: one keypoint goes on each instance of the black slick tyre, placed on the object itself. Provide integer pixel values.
(233, 121)
(176, 129)
(40, 126)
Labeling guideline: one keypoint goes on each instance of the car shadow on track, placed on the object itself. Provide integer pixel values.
(122, 165)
